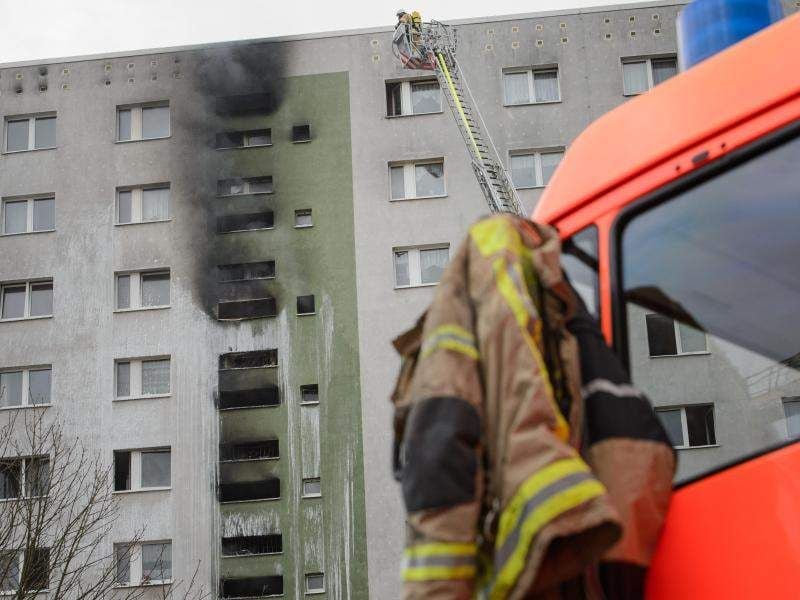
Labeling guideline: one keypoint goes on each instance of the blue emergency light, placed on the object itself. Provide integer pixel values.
(706, 27)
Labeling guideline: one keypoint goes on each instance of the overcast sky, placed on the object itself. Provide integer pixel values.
(34, 29)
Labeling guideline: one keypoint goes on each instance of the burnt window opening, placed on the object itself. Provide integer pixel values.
(243, 104)
(248, 545)
(263, 450)
(256, 308)
(247, 271)
(267, 489)
(252, 587)
(243, 139)
(245, 222)
(267, 395)
(240, 186)
(256, 359)
(309, 394)
(301, 133)
(305, 305)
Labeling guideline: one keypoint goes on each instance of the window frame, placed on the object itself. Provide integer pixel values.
(537, 164)
(678, 342)
(29, 283)
(303, 212)
(310, 480)
(136, 374)
(135, 469)
(136, 121)
(313, 591)
(25, 386)
(23, 479)
(137, 203)
(31, 119)
(135, 564)
(247, 135)
(648, 60)
(30, 201)
(410, 179)
(135, 290)
(685, 423)
(530, 72)
(414, 264)
(406, 97)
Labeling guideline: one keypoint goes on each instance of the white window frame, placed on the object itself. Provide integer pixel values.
(136, 121)
(29, 214)
(312, 591)
(28, 284)
(414, 264)
(247, 135)
(136, 470)
(537, 164)
(311, 480)
(31, 118)
(135, 567)
(685, 426)
(246, 183)
(406, 102)
(301, 213)
(649, 64)
(531, 85)
(23, 480)
(26, 396)
(21, 565)
(678, 342)
(135, 383)
(135, 291)
(410, 179)
(137, 195)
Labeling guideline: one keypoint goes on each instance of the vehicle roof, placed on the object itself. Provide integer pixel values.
(726, 89)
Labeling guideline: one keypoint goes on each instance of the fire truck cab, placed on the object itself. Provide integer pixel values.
(680, 217)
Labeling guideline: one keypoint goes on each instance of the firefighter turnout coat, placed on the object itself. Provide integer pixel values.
(517, 478)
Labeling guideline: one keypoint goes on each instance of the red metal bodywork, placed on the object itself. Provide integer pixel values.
(734, 534)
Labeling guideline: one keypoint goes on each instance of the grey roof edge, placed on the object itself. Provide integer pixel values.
(339, 33)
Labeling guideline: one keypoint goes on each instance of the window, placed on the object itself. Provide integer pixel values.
(140, 378)
(244, 185)
(29, 215)
(143, 204)
(246, 380)
(143, 122)
(245, 222)
(689, 426)
(266, 450)
(36, 132)
(246, 271)
(251, 138)
(25, 387)
(534, 169)
(312, 488)
(302, 218)
(301, 133)
(266, 489)
(420, 266)
(315, 583)
(413, 97)
(27, 477)
(147, 469)
(305, 305)
(144, 563)
(257, 359)
(31, 566)
(139, 290)
(255, 308)
(309, 394)
(252, 545)
(26, 300)
(791, 410)
(423, 179)
(639, 75)
(667, 337)
(252, 587)
(531, 86)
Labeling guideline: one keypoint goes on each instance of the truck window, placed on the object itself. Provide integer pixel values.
(579, 261)
(711, 282)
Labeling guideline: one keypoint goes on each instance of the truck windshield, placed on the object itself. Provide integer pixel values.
(711, 281)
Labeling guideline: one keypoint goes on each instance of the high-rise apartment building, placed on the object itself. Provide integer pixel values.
(206, 251)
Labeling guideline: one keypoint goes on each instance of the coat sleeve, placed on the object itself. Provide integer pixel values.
(441, 449)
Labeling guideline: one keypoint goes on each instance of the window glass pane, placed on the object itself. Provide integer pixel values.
(312, 487)
(426, 97)
(791, 408)
(37, 477)
(39, 386)
(14, 302)
(262, 185)
(155, 376)
(523, 170)
(124, 206)
(11, 388)
(155, 122)
(309, 394)
(155, 289)
(432, 264)
(45, 132)
(41, 299)
(394, 105)
(156, 469)
(701, 258)
(663, 69)
(579, 261)
(302, 218)
(550, 161)
(545, 86)
(155, 204)
(122, 470)
(9, 569)
(401, 274)
(123, 379)
(15, 216)
(398, 184)
(429, 179)
(123, 291)
(10, 478)
(44, 214)
(634, 76)
(671, 420)
(692, 340)
(661, 335)
(259, 137)
(315, 583)
(16, 135)
(122, 554)
(516, 86)
(157, 562)
(124, 125)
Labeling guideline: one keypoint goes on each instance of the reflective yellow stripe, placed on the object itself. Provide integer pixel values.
(439, 561)
(438, 573)
(441, 549)
(495, 234)
(450, 337)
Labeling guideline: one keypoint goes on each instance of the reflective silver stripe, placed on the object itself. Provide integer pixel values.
(615, 389)
(522, 291)
(438, 561)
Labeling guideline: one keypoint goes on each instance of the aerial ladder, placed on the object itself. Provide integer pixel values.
(432, 46)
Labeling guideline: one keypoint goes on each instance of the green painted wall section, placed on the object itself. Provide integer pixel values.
(325, 534)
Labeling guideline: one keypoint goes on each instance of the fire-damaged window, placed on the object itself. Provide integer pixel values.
(254, 308)
(247, 271)
(251, 587)
(305, 305)
(241, 451)
(251, 138)
(241, 186)
(246, 222)
(266, 489)
(266, 395)
(252, 545)
(301, 133)
(256, 359)
(245, 380)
